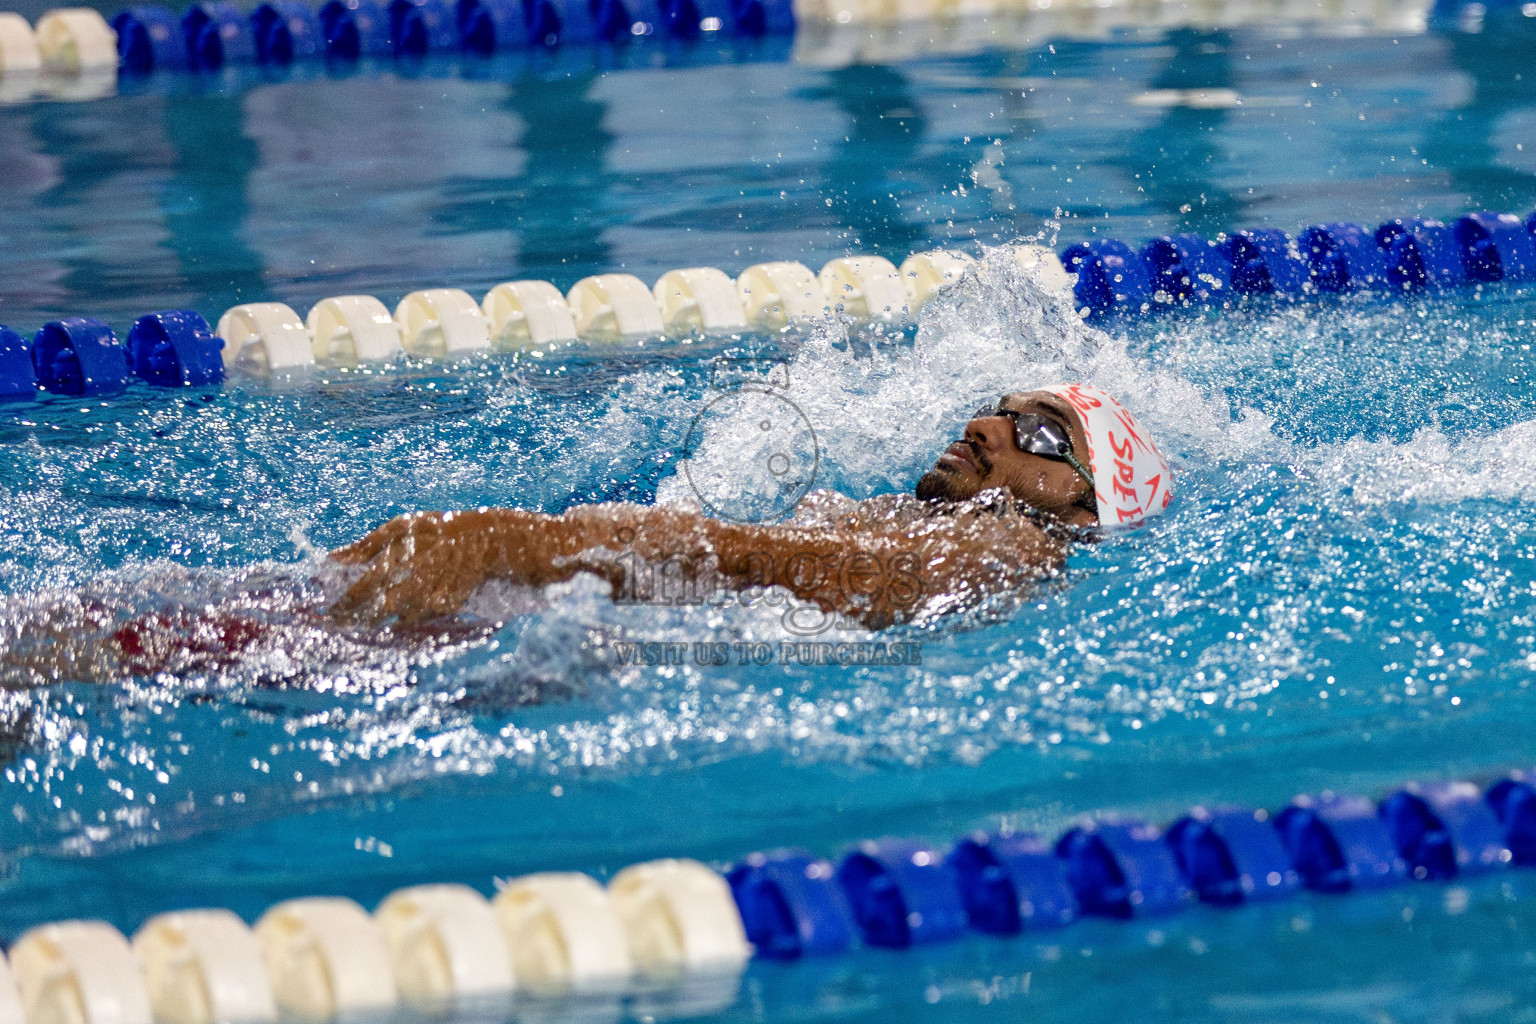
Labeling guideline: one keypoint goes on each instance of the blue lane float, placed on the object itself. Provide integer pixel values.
(1122, 870)
(487, 26)
(622, 20)
(902, 893)
(1496, 247)
(1421, 253)
(1266, 262)
(79, 356)
(1446, 830)
(18, 379)
(1232, 855)
(554, 23)
(690, 19)
(286, 31)
(1400, 255)
(175, 348)
(1187, 269)
(1514, 802)
(353, 29)
(210, 36)
(763, 17)
(420, 27)
(150, 38)
(1342, 257)
(218, 34)
(1010, 884)
(792, 905)
(1111, 277)
(1339, 843)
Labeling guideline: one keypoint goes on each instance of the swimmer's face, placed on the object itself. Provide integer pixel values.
(987, 457)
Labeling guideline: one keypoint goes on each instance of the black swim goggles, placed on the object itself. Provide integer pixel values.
(1036, 435)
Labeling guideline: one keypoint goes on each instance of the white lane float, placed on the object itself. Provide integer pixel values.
(75, 39)
(11, 1009)
(445, 945)
(204, 967)
(1044, 266)
(609, 307)
(865, 287)
(774, 295)
(264, 338)
(348, 330)
(527, 314)
(327, 959)
(18, 45)
(442, 323)
(679, 917)
(79, 972)
(563, 933)
(925, 274)
(699, 299)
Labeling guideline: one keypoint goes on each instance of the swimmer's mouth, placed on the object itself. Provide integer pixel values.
(961, 452)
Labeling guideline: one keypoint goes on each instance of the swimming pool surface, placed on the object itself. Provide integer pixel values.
(1342, 596)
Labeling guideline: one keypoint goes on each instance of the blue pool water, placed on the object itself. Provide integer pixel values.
(1341, 596)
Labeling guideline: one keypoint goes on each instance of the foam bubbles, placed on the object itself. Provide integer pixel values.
(882, 417)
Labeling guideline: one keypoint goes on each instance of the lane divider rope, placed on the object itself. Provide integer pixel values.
(173, 348)
(211, 35)
(1108, 278)
(79, 55)
(1400, 256)
(556, 934)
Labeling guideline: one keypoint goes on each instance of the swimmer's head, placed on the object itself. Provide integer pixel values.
(1070, 451)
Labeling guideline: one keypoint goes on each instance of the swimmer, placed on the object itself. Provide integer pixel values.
(997, 511)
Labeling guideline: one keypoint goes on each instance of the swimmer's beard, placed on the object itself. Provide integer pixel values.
(942, 484)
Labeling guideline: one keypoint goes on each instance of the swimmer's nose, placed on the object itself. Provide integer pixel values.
(987, 432)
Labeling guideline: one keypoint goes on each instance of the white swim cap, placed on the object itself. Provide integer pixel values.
(1131, 477)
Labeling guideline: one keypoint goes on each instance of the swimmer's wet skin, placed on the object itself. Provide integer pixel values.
(1071, 456)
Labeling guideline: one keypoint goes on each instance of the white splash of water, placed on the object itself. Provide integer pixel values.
(1430, 468)
(881, 418)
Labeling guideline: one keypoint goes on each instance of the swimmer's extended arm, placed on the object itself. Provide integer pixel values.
(427, 565)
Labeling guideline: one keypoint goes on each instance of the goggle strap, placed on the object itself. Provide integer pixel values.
(1082, 471)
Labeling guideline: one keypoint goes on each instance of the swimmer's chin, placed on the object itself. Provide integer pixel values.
(945, 483)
